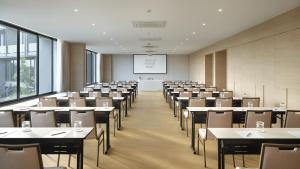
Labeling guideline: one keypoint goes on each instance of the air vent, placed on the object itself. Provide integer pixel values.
(150, 51)
(150, 46)
(149, 24)
(150, 39)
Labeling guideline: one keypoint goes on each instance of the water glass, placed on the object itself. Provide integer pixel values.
(221, 95)
(77, 125)
(26, 126)
(250, 104)
(260, 126)
(282, 105)
(218, 104)
(105, 104)
(40, 104)
(73, 104)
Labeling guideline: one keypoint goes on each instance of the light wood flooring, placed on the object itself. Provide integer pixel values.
(150, 139)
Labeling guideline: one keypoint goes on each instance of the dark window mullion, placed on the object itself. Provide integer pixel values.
(18, 64)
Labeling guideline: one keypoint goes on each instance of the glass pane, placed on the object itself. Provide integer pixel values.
(94, 68)
(45, 65)
(28, 55)
(8, 63)
(56, 68)
(89, 58)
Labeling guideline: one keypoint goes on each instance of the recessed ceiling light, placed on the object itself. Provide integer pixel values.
(93, 24)
(75, 10)
(194, 33)
(204, 24)
(186, 38)
(104, 33)
(220, 10)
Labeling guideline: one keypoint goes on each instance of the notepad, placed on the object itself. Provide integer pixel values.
(295, 133)
(249, 134)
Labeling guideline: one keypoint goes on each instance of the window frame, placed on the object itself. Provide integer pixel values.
(93, 71)
(38, 35)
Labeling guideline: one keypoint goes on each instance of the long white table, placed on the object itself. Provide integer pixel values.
(199, 115)
(51, 140)
(63, 115)
(249, 140)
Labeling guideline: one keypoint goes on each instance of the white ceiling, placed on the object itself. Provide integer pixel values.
(57, 18)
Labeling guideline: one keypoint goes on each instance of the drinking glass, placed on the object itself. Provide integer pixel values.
(40, 104)
(73, 104)
(282, 105)
(77, 125)
(218, 104)
(26, 126)
(105, 104)
(260, 126)
(250, 104)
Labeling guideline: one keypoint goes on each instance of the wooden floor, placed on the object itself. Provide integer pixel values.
(150, 139)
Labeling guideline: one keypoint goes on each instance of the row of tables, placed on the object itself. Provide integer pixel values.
(71, 142)
(235, 140)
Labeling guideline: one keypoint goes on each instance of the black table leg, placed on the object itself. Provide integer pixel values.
(120, 115)
(281, 120)
(193, 133)
(220, 160)
(130, 100)
(107, 135)
(181, 121)
(174, 110)
(126, 101)
(80, 155)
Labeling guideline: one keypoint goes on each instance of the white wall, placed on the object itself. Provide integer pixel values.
(177, 68)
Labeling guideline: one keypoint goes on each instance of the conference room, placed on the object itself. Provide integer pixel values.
(141, 84)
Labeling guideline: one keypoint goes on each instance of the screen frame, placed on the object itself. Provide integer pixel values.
(151, 73)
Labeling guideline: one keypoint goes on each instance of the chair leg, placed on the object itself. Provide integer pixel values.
(233, 160)
(243, 157)
(103, 142)
(187, 127)
(115, 126)
(58, 159)
(69, 162)
(198, 145)
(204, 153)
(98, 145)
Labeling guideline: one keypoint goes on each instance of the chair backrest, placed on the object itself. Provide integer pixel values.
(200, 85)
(211, 89)
(205, 94)
(105, 90)
(254, 100)
(105, 84)
(74, 94)
(48, 101)
(292, 119)
(77, 102)
(87, 118)
(187, 86)
(185, 94)
(178, 89)
(280, 156)
(20, 157)
(115, 94)
(7, 119)
(195, 89)
(42, 118)
(218, 119)
(100, 102)
(224, 102)
(226, 94)
(197, 102)
(122, 89)
(89, 89)
(253, 116)
(95, 94)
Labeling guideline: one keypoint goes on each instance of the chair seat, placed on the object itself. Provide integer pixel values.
(100, 131)
(202, 134)
(186, 114)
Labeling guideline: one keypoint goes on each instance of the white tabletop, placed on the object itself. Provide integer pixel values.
(253, 133)
(66, 109)
(207, 98)
(204, 109)
(65, 98)
(53, 132)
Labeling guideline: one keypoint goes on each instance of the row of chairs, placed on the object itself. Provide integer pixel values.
(46, 118)
(223, 119)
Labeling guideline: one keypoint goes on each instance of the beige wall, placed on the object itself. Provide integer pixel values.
(74, 70)
(106, 68)
(267, 55)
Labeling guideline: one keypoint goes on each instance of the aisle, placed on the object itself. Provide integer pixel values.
(150, 139)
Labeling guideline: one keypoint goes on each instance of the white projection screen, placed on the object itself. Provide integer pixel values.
(150, 63)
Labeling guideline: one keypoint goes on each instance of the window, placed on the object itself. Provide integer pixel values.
(91, 72)
(45, 65)
(8, 63)
(26, 63)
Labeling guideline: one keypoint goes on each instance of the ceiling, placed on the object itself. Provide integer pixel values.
(106, 25)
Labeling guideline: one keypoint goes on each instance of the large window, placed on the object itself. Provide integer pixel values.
(8, 63)
(91, 72)
(26, 63)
